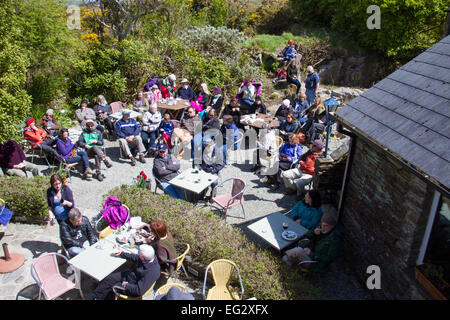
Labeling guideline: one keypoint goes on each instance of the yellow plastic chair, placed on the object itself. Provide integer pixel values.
(165, 288)
(108, 230)
(222, 271)
(179, 260)
(125, 297)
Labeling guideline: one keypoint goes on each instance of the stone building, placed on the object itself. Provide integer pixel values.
(395, 192)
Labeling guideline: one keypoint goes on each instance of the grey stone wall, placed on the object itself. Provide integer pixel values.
(385, 213)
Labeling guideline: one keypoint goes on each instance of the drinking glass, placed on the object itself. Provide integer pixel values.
(285, 225)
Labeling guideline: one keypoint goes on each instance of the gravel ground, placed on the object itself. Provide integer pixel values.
(259, 200)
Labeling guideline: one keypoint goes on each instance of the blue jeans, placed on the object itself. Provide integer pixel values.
(152, 135)
(73, 251)
(296, 82)
(173, 191)
(310, 96)
(81, 156)
(247, 103)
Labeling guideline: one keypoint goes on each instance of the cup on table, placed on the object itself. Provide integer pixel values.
(285, 225)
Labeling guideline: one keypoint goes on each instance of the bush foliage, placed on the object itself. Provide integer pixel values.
(264, 274)
(25, 197)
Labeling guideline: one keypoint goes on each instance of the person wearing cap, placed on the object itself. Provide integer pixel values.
(127, 129)
(133, 282)
(297, 178)
(323, 246)
(141, 104)
(13, 160)
(258, 106)
(39, 139)
(91, 139)
(216, 100)
(175, 293)
(70, 153)
(312, 83)
(165, 168)
(103, 111)
(49, 123)
(168, 86)
(185, 91)
(84, 113)
(283, 110)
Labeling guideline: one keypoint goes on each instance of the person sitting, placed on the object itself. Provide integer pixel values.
(230, 134)
(292, 75)
(135, 281)
(154, 95)
(211, 163)
(297, 178)
(150, 125)
(49, 123)
(258, 106)
(84, 113)
(285, 49)
(166, 129)
(163, 244)
(202, 100)
(175, 293)
(186, 131)
(301, 108)
(69, 153)
(168, 86)
(141, 104)
(290, 152)
(288, 126)
(210, 121)
(39, 139)
(76, 233)
(216, 100)
(102, 111)
(281, 74)
(290, 53)
(233, 110)
(186, 92)
(13, 160)
(283, 110)
(247, 94)
(307, 212)
(165, 168)
(59, 200)
(127, 129)
(323, 246)
(316, 122)
(91, 139)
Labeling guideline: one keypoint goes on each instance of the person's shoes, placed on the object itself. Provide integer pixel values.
(274, 80)
(99, 176)
(142, 158)
(264, 179)
(133, 161)
(89, 171)
(87, 175)
(107, 163)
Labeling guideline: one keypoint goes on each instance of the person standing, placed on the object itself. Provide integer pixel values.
(312, 83)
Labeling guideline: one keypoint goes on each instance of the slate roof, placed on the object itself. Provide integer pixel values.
(408, 113)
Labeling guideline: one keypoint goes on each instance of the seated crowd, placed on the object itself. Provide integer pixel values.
(155, 133)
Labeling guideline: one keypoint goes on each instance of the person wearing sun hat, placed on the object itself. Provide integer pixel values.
(284, 110)
(323, 245)
(186, 92)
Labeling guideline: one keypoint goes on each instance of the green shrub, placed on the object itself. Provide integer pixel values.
(264, 274)
(26, 198)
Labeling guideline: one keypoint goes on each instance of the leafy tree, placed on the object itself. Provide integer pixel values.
(14, 101)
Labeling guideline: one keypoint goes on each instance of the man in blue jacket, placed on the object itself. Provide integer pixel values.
(186, 92)
(133, 282)
(127, 129)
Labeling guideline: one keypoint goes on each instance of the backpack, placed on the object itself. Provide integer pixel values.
(115, 213)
